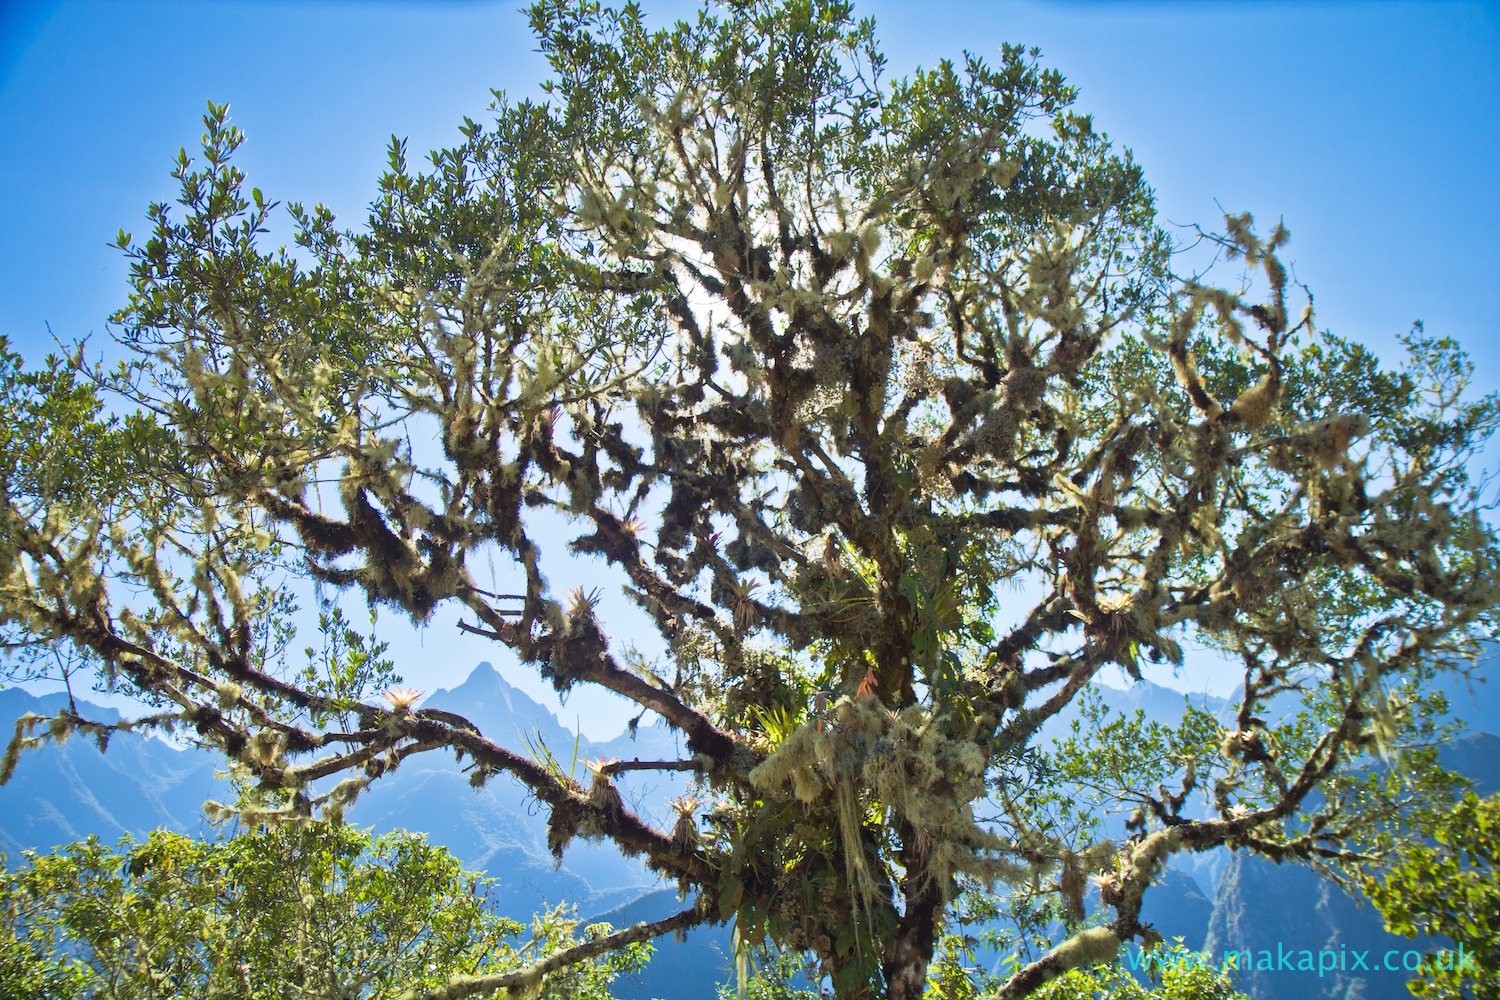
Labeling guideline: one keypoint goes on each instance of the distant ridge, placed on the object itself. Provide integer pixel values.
(66, 793)
(63, 794)
(499, 829)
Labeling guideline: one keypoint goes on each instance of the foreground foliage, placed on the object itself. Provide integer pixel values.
(1185, 981)
(1173, 973)
(1449, 887)
(318, 912)
(882, 401)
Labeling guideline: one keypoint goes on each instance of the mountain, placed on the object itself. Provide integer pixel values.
(1255, 905)
(66, 793)
(1287, 919)
(1476, 757)
(689, 968)
(62, 794)
(1269, 909)
(508, 717)
(500, 829)
(1215, 900)
(1475, 700)
(1178, 908)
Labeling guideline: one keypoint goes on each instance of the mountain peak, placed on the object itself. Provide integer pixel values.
(16, 701)
(503, 712)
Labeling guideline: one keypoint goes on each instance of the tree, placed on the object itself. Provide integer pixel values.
(884, 401)
(322, 911)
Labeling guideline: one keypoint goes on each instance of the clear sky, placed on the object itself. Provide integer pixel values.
(1373, 129)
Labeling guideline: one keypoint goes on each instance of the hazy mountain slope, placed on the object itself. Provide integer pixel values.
(1279, 912)
(1260, 906)
(1476, 700)
(1178, 908)
(690, 969)
(500, 829)
(62, 794)
(1476, 757)
(65, 793)
(512, 719)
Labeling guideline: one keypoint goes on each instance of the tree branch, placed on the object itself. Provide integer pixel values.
(530, 977)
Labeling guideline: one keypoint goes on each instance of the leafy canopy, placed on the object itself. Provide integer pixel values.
(319, 911)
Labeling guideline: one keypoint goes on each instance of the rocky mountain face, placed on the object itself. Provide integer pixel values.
(69, 792)
(66, 793)
(63, 794)
(499, 829)
(1217, 901)
(1278, 913)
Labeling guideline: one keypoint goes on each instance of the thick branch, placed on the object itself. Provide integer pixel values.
(702, 735)
(523, 980)
(616, 767)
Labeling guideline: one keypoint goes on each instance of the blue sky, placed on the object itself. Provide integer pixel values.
(1373, 129)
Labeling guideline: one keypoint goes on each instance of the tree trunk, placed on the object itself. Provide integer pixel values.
(905, 966)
